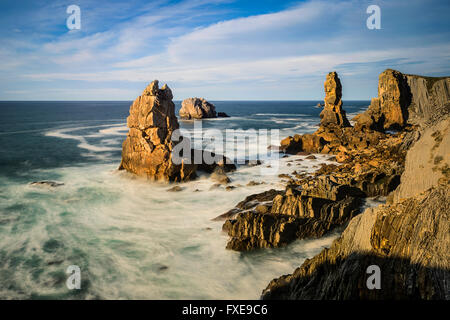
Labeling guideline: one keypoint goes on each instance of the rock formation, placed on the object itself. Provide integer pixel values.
(373, 163)
(407, 239)
(147, 150)
(333, 123)
(332, 113)
(405, 99)
(197, 108)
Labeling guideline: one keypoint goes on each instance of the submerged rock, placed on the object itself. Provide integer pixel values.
(175, 189)
(47, 183)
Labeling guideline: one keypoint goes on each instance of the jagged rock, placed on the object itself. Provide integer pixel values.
(197, 108)
(220, 161)
(405, 99)
(250, 203)
(408, 241)
(332, 118)
(332, 113)
(427, 161)
(298, 204)
(222, 115)
(291, 216)
(147, 150)
(219, 175)
(302, 143)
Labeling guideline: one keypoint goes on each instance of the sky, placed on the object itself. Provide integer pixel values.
(219, 50)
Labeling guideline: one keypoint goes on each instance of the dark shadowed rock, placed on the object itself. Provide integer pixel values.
(47, 183)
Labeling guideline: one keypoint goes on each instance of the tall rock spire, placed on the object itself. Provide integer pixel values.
(147, 150)
(332, 112)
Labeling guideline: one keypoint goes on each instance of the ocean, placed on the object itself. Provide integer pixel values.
(132, 239)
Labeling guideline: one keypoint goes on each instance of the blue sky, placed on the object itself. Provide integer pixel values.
(220, 50)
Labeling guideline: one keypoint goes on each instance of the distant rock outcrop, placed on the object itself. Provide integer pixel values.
(147, 150)
(197, 108)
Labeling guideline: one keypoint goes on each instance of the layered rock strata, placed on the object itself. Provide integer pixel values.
(407, 239)
(405, 99)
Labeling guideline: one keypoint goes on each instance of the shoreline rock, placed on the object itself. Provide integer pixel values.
(407, 238)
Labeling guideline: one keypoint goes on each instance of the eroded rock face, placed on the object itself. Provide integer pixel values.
(408, 241)
(333, 113)
(288, 216)
(147, 150)
(407, 238)
(333, 122)
(427, 162)
(197, 108)
(405, 99)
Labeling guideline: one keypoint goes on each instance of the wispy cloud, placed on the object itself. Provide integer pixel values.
(199, 49)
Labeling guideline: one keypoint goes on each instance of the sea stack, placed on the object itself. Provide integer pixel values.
(332, 112)
(197, 108)
(147, 150)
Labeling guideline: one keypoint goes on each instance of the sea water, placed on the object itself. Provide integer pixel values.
(131, 238)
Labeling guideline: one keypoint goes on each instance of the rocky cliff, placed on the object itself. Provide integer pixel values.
(407, 238)
(311, 206)
(405, 99)
(197, 108)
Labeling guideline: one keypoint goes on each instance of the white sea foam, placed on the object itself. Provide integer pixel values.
(134, 239)
(124, 232)
(68, 133)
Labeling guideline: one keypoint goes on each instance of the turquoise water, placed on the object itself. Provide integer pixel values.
(131, 239)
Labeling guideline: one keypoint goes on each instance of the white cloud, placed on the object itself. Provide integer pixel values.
(287, 48)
